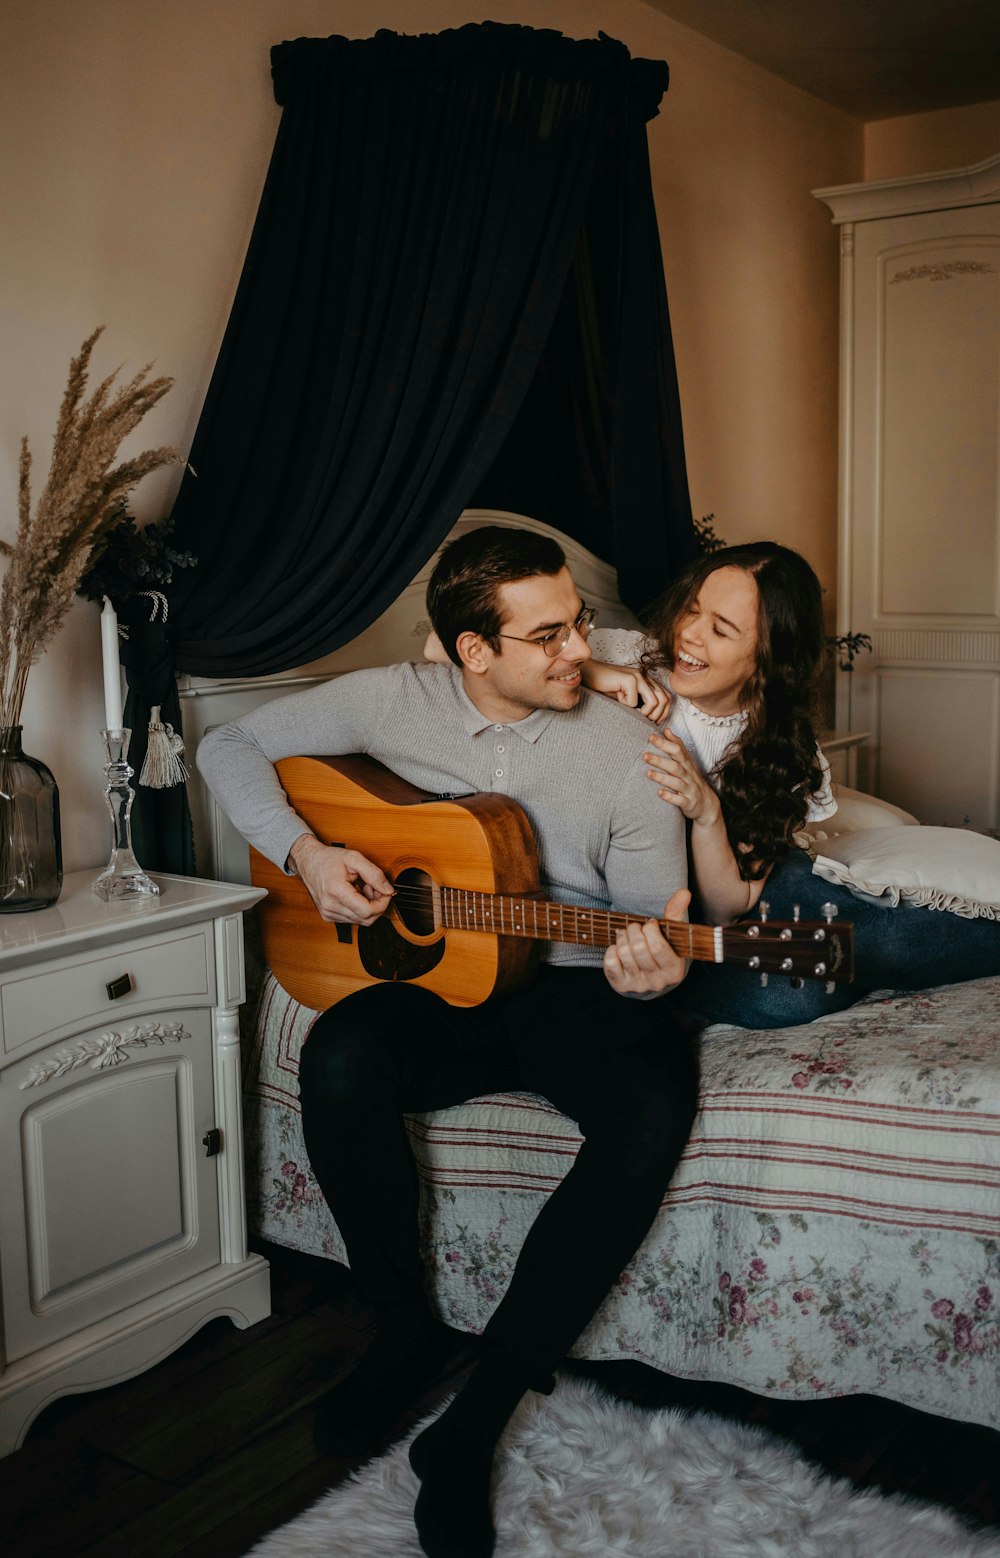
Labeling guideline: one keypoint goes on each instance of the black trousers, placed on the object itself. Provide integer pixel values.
(618, 1067)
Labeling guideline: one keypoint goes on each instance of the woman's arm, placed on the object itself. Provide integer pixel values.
(628, 686)
(722, 892)
(614, 671)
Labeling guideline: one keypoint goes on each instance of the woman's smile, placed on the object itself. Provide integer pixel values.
(716, 642)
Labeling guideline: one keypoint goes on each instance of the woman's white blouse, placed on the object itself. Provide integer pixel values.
(707, 737)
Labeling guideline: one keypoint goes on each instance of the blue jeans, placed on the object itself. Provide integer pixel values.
(902, 948)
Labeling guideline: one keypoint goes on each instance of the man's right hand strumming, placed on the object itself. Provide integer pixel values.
(343, 884)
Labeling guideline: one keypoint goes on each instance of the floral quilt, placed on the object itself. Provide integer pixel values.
(833, 1226)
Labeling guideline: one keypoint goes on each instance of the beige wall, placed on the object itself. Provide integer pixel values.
(932, 143)
(135, 141)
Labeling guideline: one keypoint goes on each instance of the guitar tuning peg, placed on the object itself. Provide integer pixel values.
(796, 912)
(829, 987)
(828, 911)
(764, 908)
(763, 981)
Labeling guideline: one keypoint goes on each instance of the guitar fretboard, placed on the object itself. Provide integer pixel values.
(542, 920)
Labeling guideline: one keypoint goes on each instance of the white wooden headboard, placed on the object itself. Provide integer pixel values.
(398, 635)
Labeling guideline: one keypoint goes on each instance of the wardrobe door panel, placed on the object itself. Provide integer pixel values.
(939, 744)
(936, 404)
(920, 488)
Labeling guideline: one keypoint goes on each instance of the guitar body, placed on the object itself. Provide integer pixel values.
(355, 802)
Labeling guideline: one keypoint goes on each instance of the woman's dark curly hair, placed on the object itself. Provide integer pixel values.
(764, 780)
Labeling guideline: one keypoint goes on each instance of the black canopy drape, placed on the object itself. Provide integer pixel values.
(410, 254)
(597, 449)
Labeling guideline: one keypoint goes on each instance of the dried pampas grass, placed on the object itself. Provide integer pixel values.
(80, 503)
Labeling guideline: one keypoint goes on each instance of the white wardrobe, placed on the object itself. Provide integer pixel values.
(919, 565)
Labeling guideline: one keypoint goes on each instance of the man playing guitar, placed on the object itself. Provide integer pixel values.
(508, 716)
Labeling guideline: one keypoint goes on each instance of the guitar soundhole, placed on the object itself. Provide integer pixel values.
(414, 903)
(385, 951)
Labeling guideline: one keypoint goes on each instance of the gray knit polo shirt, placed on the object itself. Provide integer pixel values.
(605, 839)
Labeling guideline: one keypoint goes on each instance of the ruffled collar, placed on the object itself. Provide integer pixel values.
(727, 721)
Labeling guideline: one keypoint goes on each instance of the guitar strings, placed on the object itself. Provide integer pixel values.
(424, 896)
(517, 914)
(694, 937)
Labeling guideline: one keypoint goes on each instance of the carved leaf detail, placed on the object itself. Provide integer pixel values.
(111, 1049)
(943, 271)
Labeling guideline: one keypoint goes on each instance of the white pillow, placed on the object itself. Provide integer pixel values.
(855, 812)
(942, 868)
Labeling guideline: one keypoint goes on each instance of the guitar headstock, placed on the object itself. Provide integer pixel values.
(802, 949)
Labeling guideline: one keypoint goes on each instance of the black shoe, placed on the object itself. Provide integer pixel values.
(452, 1512)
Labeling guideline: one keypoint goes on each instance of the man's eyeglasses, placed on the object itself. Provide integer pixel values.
(555, 641)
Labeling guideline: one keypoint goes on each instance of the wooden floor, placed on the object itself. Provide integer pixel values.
(205, 1453)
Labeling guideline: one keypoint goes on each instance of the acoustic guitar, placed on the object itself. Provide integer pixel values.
(467, 920)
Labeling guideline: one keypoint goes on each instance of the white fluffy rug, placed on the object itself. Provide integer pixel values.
(584, 1476)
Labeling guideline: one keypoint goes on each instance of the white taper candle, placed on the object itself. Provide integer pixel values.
(112, 668)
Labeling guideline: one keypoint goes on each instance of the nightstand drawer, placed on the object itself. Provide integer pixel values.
(175, 969)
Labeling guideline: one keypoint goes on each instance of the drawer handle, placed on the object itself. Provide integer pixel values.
(120, 986)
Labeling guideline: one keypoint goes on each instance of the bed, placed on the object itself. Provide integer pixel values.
(833, 1226)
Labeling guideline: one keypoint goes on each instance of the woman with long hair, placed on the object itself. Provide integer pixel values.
(732, 660)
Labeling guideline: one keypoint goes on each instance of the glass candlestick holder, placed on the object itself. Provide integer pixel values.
(123, 877)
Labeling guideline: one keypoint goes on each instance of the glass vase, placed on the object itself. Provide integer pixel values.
(31, 871)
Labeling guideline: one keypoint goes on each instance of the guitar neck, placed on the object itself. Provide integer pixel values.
(540, 920)
(805, 949)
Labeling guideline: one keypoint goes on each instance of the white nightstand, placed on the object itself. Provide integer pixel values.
(122, 1218)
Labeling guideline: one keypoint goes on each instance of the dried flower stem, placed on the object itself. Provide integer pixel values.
(80, 502)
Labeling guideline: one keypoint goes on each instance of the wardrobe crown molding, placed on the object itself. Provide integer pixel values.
(866, 202)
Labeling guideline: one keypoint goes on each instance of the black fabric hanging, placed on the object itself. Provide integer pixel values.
(410, 253)
(597, 449)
